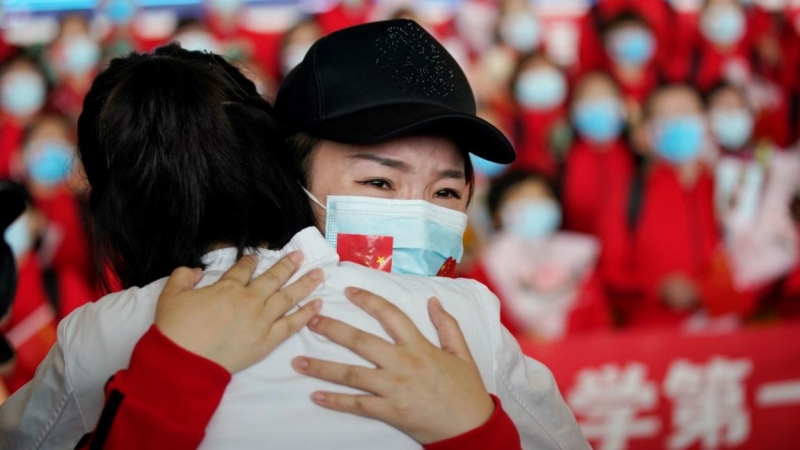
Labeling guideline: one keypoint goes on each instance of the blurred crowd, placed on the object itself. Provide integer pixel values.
(657, 181)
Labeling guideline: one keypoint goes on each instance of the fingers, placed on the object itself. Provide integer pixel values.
(360, 405)
(242, 271)
(277, 304)
(450, 335)
(394, 321)
(286, 327)
(272, 280)
(368, 346)
(182, 279)
(366, 379)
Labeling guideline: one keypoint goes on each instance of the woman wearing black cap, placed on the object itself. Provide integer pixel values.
(526, 386)
(162, 190)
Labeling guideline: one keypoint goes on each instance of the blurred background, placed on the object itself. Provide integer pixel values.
(644, 245)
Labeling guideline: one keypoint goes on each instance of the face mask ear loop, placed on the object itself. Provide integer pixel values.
(313, 199)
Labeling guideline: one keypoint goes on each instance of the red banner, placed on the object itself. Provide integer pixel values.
(654, 390)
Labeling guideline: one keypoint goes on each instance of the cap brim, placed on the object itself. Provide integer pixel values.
(380, 123)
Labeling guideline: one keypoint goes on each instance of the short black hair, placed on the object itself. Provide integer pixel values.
(182, 154)
(623, 18)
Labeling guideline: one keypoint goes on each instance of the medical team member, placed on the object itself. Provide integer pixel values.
(269, 401)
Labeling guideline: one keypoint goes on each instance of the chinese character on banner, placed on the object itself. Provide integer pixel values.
(709, 403)
(610, 400)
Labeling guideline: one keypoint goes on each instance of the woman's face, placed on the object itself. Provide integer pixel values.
(408, 168)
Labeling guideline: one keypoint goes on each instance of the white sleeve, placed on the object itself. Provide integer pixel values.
(44, 414)
(528, 391)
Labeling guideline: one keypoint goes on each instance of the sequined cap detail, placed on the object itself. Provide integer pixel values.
(413, 60)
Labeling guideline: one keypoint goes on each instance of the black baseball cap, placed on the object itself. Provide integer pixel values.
(381, 80)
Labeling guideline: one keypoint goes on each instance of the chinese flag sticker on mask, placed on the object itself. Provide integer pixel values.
(374, 252)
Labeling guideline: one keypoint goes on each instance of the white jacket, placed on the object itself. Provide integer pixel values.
(268, 404)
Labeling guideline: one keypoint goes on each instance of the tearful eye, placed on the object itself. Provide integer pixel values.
(377, 183)
(448, 193)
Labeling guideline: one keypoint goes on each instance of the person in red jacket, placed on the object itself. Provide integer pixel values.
(755, 184)
(48, 156)
(23, 95)
(591, 55)
(74, 58)
(546, 280)
(600, 162)
(661, 237)
(196, 332)
(540, 93)
(631, 46)
(30, 323)
(724, 45)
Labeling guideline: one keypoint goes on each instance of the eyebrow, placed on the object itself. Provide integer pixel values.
(388, 162)
(455, 174)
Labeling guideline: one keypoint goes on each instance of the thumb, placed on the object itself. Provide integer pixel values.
(182, 279)
(450, 335)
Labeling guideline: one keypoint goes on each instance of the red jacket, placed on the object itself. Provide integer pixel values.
(31, 326)
(10, 140)
(591, 176)
(534, 139)
(150, 405)
(675, 232)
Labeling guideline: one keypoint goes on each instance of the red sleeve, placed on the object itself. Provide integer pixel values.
(167, 391)
(499, 433)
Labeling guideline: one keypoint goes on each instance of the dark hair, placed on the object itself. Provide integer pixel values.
(303, 145)
(723, 86)
(625, 17)
(182, 154)
(504, 183)
(647, 108)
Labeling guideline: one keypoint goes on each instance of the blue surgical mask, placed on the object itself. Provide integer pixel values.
(723, 24)
(81, 55)
(49, 162)
(541, 88)
(599, 121)
(532, 219)
(520, 31)
(121, 11)
(23, 93)
(424, 235)
(487, 168)
(732, 128)
(18, 236)
(679, 139)
(632, 46)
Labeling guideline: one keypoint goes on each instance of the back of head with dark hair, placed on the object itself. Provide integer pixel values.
(182, 154)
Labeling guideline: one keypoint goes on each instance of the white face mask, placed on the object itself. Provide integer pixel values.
(411, 237)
